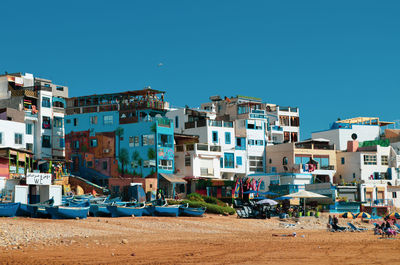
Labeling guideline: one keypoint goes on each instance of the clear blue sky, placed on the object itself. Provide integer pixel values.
(330, 58)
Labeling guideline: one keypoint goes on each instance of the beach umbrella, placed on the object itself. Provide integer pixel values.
(267, 201)
(303, 194)
(348, 215)
(394, 215)
(362, 215)
(282, 198)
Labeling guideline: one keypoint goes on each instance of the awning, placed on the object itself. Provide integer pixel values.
(380, 188)
(173, 178)
(369, 189)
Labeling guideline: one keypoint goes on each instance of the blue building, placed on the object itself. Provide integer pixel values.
(143, 136)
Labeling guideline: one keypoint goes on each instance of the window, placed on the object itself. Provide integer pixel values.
(239, 160)
(68, 121)
(188, 161)
(93, 120)
(108, 119)
(1, 138)
(29, 128)
(262, 185)
(131, 141)
(46, 141)
(227, 138)
(18, 138)
(46, 124)
(58, 122)
(165, 164)
(394, 195)
(299, 159)
(136, 140)
(164, 140)
(221, 162)
(256, 163)
(105, 166)
(89, 164)
(384, 160)
(46, 102)
(76, 145)
(145, 140)
(75, 121)
(229, 160)
(260, 142)
(62, 142)
(243, 109)
(60, 88)
(215, 137)
(250, 142)
(369, 159)
(354, 175)
(240, 143)
(176, 122)
(93, 142)
(342, 160)
(29, 147)
(285, 161)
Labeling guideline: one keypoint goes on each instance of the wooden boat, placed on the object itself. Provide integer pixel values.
(169, 210)
(39, 210)
(69, 212)
(185, 210)
(8, 209)
(125, 210)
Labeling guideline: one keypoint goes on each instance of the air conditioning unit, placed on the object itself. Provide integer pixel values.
(106, 151)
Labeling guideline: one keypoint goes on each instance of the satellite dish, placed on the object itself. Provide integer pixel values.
(354, 136)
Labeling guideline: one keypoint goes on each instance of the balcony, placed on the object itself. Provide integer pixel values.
(30, 115)
(197, 147)
(378, 202)
(300, 168)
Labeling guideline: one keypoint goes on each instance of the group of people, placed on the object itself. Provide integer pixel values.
(385, 228)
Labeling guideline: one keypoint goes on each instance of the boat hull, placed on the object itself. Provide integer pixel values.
(65, 212)
(170, 211)
(194, 212)
(8, 209)
(124, 211)
(99, 210)
(24, 210)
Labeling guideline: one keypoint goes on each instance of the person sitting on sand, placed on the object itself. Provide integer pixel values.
(377, 230)
(335, 222)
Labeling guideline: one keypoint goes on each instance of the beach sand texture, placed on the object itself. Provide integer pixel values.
(212, 239)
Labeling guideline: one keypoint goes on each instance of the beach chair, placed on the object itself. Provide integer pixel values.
(356, 229)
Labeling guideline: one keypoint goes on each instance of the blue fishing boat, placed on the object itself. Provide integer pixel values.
(125, 210)
(99, 210)
(24, 210)
(185, 210)
(148, 210)
(69, 212)
(8, 209)
(170, 210)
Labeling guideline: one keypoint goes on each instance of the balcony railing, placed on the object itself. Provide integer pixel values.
(198, 147)
(379, 202)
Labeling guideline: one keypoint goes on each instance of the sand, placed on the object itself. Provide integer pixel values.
(209, 240)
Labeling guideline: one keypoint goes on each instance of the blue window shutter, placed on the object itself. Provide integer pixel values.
(221, 162)
(227, 138)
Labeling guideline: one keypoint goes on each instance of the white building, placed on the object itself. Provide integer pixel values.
(43, 105)
(12, 134)
(215, 156)
(362, 129)
(284, 124)
(374, 167)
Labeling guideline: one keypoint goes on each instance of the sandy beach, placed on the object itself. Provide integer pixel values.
(211, 239)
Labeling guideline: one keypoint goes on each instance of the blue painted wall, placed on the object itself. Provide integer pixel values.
(153, 127)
